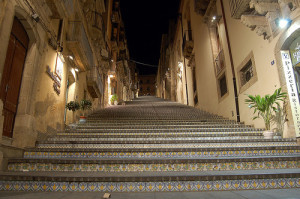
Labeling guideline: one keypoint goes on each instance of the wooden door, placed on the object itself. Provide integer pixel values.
(12, 75)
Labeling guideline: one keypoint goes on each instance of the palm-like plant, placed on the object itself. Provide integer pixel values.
(265, 106)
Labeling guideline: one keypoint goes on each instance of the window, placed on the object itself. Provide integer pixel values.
(247, 73)
(223, 85)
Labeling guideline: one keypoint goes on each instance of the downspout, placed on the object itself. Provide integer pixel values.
(232, 67)
(186, 88)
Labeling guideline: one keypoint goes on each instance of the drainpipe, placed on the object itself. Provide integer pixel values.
(232, 67)
(186, 88)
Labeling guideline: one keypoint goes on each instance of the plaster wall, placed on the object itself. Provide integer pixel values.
(243, 41)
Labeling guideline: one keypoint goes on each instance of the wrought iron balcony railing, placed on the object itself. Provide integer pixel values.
(238, 7)
(78, 43)
(94, 83)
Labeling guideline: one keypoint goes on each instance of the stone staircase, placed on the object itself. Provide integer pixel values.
(154, 145)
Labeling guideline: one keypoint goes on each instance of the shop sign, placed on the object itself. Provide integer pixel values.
(56, 80)
(292, 89)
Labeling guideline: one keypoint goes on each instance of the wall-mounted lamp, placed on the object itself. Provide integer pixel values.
(71, 57)
(35, 17)
(76, 69)
(283, 22)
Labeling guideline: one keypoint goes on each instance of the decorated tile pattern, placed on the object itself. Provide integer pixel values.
(171, 154)
(154, 139)
(154, 133)
(224, 166)
(156, 146)
(223, 185)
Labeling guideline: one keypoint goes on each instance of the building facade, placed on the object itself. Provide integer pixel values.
(147, 85)
(54, 52)
(224, 50)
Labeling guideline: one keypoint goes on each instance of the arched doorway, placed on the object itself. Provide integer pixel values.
(286, 50)
(12, 75)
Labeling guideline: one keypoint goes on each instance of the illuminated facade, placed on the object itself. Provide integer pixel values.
(220, 51)
(54, 52)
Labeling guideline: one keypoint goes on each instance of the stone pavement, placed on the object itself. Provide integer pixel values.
(247, 194)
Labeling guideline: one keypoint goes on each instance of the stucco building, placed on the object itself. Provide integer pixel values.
(54, 52)
(147, 85)
(219, 51)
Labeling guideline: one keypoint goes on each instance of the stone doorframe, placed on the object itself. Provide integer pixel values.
(283, 43)
(23, 133)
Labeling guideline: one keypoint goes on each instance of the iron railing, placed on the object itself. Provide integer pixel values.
(77, 33)
(95, 77)
(238, 7)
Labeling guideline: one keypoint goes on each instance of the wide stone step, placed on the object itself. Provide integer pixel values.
(148, 139)
(166, 130)
(169, 141)
(150, 181)
(155, 121)
(209, 144)
(138, 121)
(155, 135)
(161, 126)
(162, 153)
(160, 165)
(160, 134)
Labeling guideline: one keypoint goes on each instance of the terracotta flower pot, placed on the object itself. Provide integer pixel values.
(268, 134)
(82, 119)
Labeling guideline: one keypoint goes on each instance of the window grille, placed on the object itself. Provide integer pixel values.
(246, 73)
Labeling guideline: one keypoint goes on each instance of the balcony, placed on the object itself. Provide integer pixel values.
(61, 9)
(188, 45)
(78, 44)
(114, 43)
(201, 6)
(115, 17)
(94, 83)
(97, 22)
(238, 8)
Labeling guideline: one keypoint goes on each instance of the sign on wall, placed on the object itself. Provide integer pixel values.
(292, 89)
(59, 66)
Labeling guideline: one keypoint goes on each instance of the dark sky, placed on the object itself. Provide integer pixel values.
(145, 22)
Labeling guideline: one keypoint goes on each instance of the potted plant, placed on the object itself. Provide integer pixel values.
(114, 99)
(72, 106)
(84, 105)
(265, 107)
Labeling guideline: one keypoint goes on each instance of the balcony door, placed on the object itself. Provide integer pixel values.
(12, 75)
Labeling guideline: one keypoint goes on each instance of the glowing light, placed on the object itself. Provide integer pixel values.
(214, 18)
(282, 23)
(76, 69)
(71, 57)
(73, 73)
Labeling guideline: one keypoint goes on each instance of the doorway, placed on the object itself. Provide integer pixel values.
(12, 75)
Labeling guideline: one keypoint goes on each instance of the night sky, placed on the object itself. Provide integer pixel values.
(145, 21)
